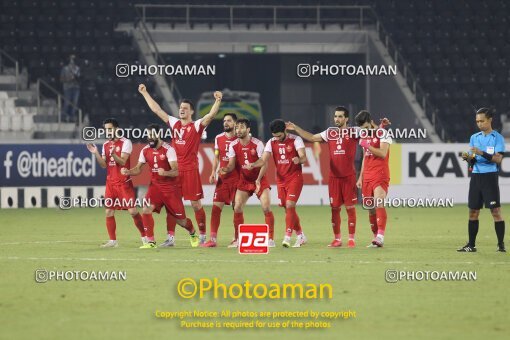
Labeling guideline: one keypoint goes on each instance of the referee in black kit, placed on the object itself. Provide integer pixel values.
(485, 156)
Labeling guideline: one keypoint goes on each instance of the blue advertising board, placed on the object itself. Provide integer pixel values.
(48, 165)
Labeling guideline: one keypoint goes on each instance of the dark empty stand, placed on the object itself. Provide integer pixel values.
(458, 51)
(42, 34)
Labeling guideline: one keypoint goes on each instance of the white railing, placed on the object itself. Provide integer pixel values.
(147, 37)
(4, 55)
(41, 84)
(411, 80)
(267, 14)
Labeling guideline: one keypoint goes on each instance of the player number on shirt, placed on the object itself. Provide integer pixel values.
(282, 152)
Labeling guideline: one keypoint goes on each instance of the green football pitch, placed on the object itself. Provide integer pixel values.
(421, 240)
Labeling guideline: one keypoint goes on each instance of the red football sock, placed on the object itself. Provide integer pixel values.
(200, 217)
(189, 226)
(170, 224)
(111, 226)
(289, 222)
(373, 223)
(269, 217)
(148, 222)
(351, 221)
(238, 219)
(139, 224)
(335, 221)
(215, 220)
(297, 223)
(298, 228)
(381, 220)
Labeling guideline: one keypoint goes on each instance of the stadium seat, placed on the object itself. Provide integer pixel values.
(447, 44)
(451, 41)
(5, 121)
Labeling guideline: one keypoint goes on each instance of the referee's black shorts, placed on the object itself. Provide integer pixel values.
(484, 188)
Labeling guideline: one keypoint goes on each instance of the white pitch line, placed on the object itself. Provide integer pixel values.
(75, 241)
(15, 258)
(33, 242)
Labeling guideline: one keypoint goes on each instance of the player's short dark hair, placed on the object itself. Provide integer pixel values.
(344, 109)
(486, 111)
(277, 125)
(157, 128)
(244, 121)
(362, 117)
(231, 114)
(187, 101)
(112, 121)
(154, 126)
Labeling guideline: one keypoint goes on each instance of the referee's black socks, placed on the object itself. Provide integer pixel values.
(500, 230)
(473, 230)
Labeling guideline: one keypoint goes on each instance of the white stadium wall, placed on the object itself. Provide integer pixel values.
(437, 171)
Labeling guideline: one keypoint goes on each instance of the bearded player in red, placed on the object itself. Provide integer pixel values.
(119, 188)
(186, 135)
(165, 186)
(226, 185)
(242, 153)
(288, 152)
(374, 178)
(342, 142)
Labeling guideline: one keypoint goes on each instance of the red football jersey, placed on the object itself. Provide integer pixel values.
(122, 145)
(186, 141)
(160, 158)
(374, 167)
(342, 152)
(221, 144)
(283, 152)
(246, 154)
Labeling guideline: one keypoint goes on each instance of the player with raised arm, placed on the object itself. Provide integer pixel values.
(342, 142)
(288, 152)
(374, 178)
(165, 185)
(226, 185)
(119, 188)
(186, 135)
(242, 153)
